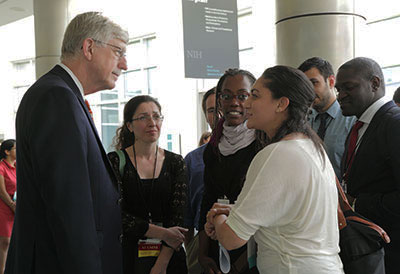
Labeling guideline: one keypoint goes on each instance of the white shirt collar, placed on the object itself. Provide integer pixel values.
(78, 84)
(367, 116)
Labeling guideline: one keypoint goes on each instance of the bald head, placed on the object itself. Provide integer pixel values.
(366, 68)
(360, 83)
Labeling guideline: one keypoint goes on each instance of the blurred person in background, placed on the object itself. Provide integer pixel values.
(8, 186)
(204, 138)
(195, 167)
(396, 96)
(326, 118)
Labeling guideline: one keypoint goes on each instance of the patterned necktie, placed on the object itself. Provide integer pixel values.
(351, 150)
(322, 125)
(88, 106)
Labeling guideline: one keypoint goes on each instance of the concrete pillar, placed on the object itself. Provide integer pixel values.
(51, 18)
(307, 28)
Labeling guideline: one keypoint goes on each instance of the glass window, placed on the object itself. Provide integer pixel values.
(243, 4)
(392, 80)
(374, 10)
(24, 73)
(134, 55)
(133, 83)
(246, 59)
(245, 31)
(107, 135)
(385, 53)
(152, 78)
(109, 113)
(109, 124)
(151, 50)
(109, 95)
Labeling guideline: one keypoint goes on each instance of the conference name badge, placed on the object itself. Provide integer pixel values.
(149, 248)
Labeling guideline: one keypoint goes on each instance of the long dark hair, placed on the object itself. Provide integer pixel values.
(218, 121)
(289, 82)
(292, 83)
(124, 138)
(6, 145)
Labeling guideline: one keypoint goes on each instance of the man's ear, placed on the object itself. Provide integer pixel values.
(376, 83)
(331, 81)
(87, 48)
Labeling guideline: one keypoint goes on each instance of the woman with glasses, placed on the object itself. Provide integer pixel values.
(153, 191)
(289, 200)
(227, 157)
(8, 185)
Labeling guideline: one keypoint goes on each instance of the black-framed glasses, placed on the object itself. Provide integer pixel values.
(146, 118)
(119, 51)
(228, 97)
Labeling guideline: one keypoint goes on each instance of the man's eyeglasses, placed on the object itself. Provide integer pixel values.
(119, 51)
(145, 118)
(228, 97)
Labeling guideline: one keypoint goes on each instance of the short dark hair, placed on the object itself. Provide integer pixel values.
(205, 97)
(6, 145)
(324, 67)
(396, 96)
(366, 68)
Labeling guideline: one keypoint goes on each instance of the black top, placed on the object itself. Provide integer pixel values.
(166, 201)
(225, 176)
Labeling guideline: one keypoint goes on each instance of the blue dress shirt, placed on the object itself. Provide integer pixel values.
(195, 169)
(337, 129)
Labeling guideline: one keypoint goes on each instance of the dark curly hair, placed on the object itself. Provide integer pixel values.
(124, 138)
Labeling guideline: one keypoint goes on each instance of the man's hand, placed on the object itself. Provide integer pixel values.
(174, 237)
(208, 265)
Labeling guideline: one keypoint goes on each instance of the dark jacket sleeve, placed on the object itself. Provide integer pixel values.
(179, 190)
(132, 227)
(210, 194)
(189, 216)
(385, 206)
(58, 126)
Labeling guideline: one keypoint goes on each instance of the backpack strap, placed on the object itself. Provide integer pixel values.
(122, 161)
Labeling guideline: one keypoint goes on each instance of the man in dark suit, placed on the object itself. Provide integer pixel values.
(67, 218)
(372, 169)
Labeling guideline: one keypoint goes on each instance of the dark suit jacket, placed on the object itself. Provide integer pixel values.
(67, 218)
(374, 178)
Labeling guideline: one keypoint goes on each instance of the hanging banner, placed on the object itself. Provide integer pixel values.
(210, 36)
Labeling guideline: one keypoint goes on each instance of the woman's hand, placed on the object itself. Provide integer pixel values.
(13, 205)
(216, 210)
(174, 237)
(222, 208)
(158, 269)
(209, 228)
